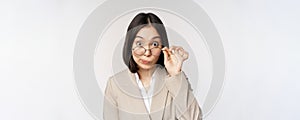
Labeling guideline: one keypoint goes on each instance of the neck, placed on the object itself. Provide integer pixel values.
(145, 74)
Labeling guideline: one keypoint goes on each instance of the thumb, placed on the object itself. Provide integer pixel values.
(166, 55)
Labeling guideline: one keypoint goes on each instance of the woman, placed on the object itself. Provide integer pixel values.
(153, 87)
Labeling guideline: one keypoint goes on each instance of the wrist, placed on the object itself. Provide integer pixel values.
(174, 73)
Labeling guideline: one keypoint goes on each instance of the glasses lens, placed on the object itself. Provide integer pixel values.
(139, 50)
(155, 51)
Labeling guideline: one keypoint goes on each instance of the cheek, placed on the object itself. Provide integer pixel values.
(156, 59)
(135, 58)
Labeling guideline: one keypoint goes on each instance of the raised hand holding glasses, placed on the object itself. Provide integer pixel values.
(174, 58)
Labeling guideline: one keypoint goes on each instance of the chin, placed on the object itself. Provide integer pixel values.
(146, 67)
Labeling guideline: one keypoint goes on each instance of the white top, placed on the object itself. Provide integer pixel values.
(147, 96)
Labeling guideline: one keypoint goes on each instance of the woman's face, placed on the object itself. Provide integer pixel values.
(146, 48)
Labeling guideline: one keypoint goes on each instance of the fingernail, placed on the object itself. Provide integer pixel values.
(173, 51)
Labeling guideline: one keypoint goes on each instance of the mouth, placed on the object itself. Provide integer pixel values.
(144, 61)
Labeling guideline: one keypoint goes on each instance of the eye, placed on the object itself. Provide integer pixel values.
(155, 44)
(138, 43)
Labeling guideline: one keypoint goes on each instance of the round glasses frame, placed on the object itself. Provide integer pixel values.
(140, 50)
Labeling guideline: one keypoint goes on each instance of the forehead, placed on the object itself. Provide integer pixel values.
(147, 32)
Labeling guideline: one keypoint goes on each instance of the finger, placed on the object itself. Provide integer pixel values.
(181, 52)
(177, 49)
(177, 55)
(169, 50)
(166, 54)
(172, 49)
(186, 55)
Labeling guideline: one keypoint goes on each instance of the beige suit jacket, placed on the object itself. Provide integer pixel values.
(172, 98)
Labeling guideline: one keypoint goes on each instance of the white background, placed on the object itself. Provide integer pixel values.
(260, 38)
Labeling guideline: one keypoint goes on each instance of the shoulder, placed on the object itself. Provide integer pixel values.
(121, 74)
(120, 77)
(117, 79)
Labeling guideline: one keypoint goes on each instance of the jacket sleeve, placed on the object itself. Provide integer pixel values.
(186, 105)
(110, 106)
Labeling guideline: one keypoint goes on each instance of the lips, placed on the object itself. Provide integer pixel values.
(145, 61)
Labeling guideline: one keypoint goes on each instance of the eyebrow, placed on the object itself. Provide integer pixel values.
(151, 39)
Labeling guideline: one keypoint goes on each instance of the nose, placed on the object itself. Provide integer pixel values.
(147, 52)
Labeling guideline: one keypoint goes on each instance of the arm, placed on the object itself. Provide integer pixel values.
(186, 105)
(110, 109)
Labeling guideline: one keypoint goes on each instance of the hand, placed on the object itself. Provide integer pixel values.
(173, 59)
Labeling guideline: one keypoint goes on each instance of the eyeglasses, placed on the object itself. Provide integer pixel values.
(140, 50)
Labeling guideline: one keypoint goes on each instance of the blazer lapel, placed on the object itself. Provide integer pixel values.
(159, 93)
(127, 83)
